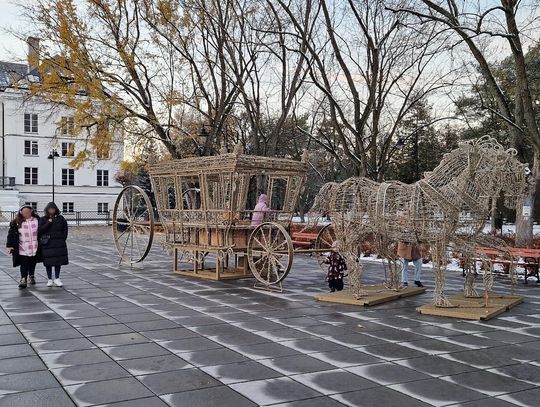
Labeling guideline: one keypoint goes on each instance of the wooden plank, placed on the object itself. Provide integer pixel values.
(473, 308)
(210, 274)
(377, 294)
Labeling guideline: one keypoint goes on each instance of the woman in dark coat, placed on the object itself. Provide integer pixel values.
(53, 232)
(23, 244)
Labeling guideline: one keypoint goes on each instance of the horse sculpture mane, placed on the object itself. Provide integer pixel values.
(448, 206)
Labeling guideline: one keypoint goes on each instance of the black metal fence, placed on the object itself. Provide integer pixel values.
(73, 218)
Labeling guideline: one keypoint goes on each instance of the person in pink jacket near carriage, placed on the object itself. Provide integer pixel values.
(259, 210)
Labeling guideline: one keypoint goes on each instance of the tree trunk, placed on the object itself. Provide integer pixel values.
(524, 224)
(493, 215)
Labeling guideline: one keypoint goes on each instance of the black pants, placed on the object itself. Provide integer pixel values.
(336, 284)
(56, 271)
(28, 265)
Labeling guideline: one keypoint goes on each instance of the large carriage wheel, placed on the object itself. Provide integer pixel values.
(323, 244)
(133, 224)
(270, 253)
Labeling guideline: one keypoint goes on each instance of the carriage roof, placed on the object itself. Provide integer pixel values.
(229, 162)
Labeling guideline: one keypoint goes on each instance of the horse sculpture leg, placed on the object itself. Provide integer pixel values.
(469, 291)
(355, 274)
(439, 266)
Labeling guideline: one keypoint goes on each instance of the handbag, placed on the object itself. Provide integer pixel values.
(43, 240)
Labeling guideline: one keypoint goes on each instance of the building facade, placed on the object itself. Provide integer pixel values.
(37, 139)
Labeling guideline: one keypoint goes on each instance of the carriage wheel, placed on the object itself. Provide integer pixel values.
(270, 253)
(133, 224)
(324, 241)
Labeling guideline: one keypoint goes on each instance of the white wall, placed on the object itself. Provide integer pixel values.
(85, 194)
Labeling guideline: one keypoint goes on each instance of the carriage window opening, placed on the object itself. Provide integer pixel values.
(257, 186)
(170, 189)
(277, 193)
(191, 192)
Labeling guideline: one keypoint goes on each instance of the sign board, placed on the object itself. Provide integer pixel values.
(526, 211)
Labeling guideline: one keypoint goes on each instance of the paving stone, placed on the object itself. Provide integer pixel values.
(52, 335)
(212, 357)
(437, 392)
(272, 391)
(11, 339)
(21, 365)
(144, 402)
(315, 402)
(37, 398)
(63, 345)
(154, 364)
(523, 398)
(523, 371)
(221, 395)
(297, 364)
(170, 334)
(89, 373)
(135, 351)
(334, 381)
(191, 344)
(100, 330)
(38, 380)
(75, 358)
(15, 351)
(489, 383)
(239, 372)
(109, 391)
(378, 396)
(387, 373)
(178, 381)
(436, 365)
(119, 339)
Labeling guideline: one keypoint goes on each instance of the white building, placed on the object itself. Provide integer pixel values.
(30, 132)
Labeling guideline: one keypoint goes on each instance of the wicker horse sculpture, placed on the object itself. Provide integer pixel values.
(447, 208)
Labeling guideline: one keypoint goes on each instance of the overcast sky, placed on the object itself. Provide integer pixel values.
(10, 19)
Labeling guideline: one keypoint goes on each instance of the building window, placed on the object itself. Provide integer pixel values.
(30, 175)
(67, 207)
(102, 178)
(30, 147)
(30, 123)
(68, 176)
(68, 126)
(32, 204)
(103, 207)
(103, 153)
(68, 149)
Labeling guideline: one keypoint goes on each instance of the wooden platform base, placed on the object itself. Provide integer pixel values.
(473, 308)
(377, 294)
(210, 274)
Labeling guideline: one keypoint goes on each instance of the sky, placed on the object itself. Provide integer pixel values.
(10, 18)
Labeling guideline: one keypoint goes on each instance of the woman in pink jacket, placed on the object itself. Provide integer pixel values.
(260, 209)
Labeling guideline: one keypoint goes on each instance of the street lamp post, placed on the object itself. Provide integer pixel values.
(52, 156)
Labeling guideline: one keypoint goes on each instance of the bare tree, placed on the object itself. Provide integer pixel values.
(473, 23)
(370, 68)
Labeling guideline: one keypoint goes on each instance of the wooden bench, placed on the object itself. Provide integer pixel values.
(304, 240)
(527, 258)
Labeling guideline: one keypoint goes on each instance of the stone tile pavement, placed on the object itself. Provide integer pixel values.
(149, 338)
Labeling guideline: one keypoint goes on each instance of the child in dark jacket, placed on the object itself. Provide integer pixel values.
(336, 269)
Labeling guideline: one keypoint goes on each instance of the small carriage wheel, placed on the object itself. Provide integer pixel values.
(324, 241)
(270, 253)
(133, 224)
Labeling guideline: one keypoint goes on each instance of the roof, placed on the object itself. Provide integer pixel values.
(230, 162)
(11, 72)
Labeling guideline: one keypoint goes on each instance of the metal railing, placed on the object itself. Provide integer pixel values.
(73, 218)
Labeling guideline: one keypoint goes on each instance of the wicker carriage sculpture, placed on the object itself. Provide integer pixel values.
(202, 205)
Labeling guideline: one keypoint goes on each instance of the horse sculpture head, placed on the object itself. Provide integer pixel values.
(494, 170)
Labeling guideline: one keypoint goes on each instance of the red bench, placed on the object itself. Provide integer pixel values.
(304, 240)
(529, 259)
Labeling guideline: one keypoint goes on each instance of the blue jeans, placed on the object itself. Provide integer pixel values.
(417, 270)
(56, 272)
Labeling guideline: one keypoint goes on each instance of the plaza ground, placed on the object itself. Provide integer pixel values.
(150, 338)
